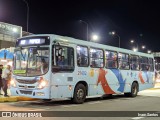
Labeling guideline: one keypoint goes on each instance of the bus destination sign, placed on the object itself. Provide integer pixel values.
(33, 41)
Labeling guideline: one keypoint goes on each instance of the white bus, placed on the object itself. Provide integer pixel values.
(52, 67)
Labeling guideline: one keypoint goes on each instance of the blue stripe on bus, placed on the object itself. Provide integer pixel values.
(146, 74)
(120, 79)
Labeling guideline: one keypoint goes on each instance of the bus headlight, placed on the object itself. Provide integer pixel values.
(42, 83)
(12, 83)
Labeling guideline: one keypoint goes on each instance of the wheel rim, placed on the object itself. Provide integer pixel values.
(134, 90)
(80, 94)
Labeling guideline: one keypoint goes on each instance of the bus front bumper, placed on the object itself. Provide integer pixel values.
(35, 93)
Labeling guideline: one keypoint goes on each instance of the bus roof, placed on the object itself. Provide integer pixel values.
(91, 44)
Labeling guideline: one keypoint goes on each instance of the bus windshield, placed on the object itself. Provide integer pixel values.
(31, 61)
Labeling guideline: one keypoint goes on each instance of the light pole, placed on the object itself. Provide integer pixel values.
(135, 49)
(132, 41)
(149, 51)
(142, 47)
(86, 25)
(94, 37)
(27, 13)
(119, 39)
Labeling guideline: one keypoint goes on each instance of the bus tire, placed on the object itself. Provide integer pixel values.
(79, 94)
(134, 89)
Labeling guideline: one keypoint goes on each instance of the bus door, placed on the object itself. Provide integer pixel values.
(62, 71)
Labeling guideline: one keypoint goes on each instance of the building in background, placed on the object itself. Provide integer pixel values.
(8, 34)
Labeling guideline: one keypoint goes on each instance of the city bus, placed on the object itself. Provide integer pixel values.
(49, 66)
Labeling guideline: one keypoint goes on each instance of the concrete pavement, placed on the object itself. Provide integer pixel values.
(157, 85)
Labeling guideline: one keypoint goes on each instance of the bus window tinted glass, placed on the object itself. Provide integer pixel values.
(64, 57)
(151, 64)
(96, 58)
(111, 59)
(144, 63)
(123, 60)
(82, 56)
(134, 62)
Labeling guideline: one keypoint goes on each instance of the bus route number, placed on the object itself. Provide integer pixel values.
(82, 72)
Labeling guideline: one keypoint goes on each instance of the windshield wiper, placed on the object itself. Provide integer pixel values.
(20, 49)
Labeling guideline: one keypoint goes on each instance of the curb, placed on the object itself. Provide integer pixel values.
(16, 99)
(8, 99)
(154, 88)
(26, 99)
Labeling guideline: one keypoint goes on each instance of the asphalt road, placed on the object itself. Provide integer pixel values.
(147, 102)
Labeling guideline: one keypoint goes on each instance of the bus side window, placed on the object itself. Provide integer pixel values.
(82, 56)
(64, 59)
(144, 63)
(96, 58)
(111, 59)
(151, 64)
(123, 61)
(134, 60)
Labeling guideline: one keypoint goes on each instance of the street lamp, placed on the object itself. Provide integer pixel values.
(95, 37)
(135, 49)
(114, 33)
(133, 41)
(27, 13)
(86, 25)
(149, 51)
(143, 47)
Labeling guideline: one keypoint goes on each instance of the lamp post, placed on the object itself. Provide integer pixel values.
(27, 13)
(135, 49)
(86, 25)
(119, 39)
(132, 41)
(149, 51)
(94, 37)
(142, 47)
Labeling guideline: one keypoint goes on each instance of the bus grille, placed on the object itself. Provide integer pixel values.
(26, 87)
(25, 92)
(26, 81)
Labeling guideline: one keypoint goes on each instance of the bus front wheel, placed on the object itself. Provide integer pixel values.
(79, 94)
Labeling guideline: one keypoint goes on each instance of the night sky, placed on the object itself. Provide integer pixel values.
(130, 19)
